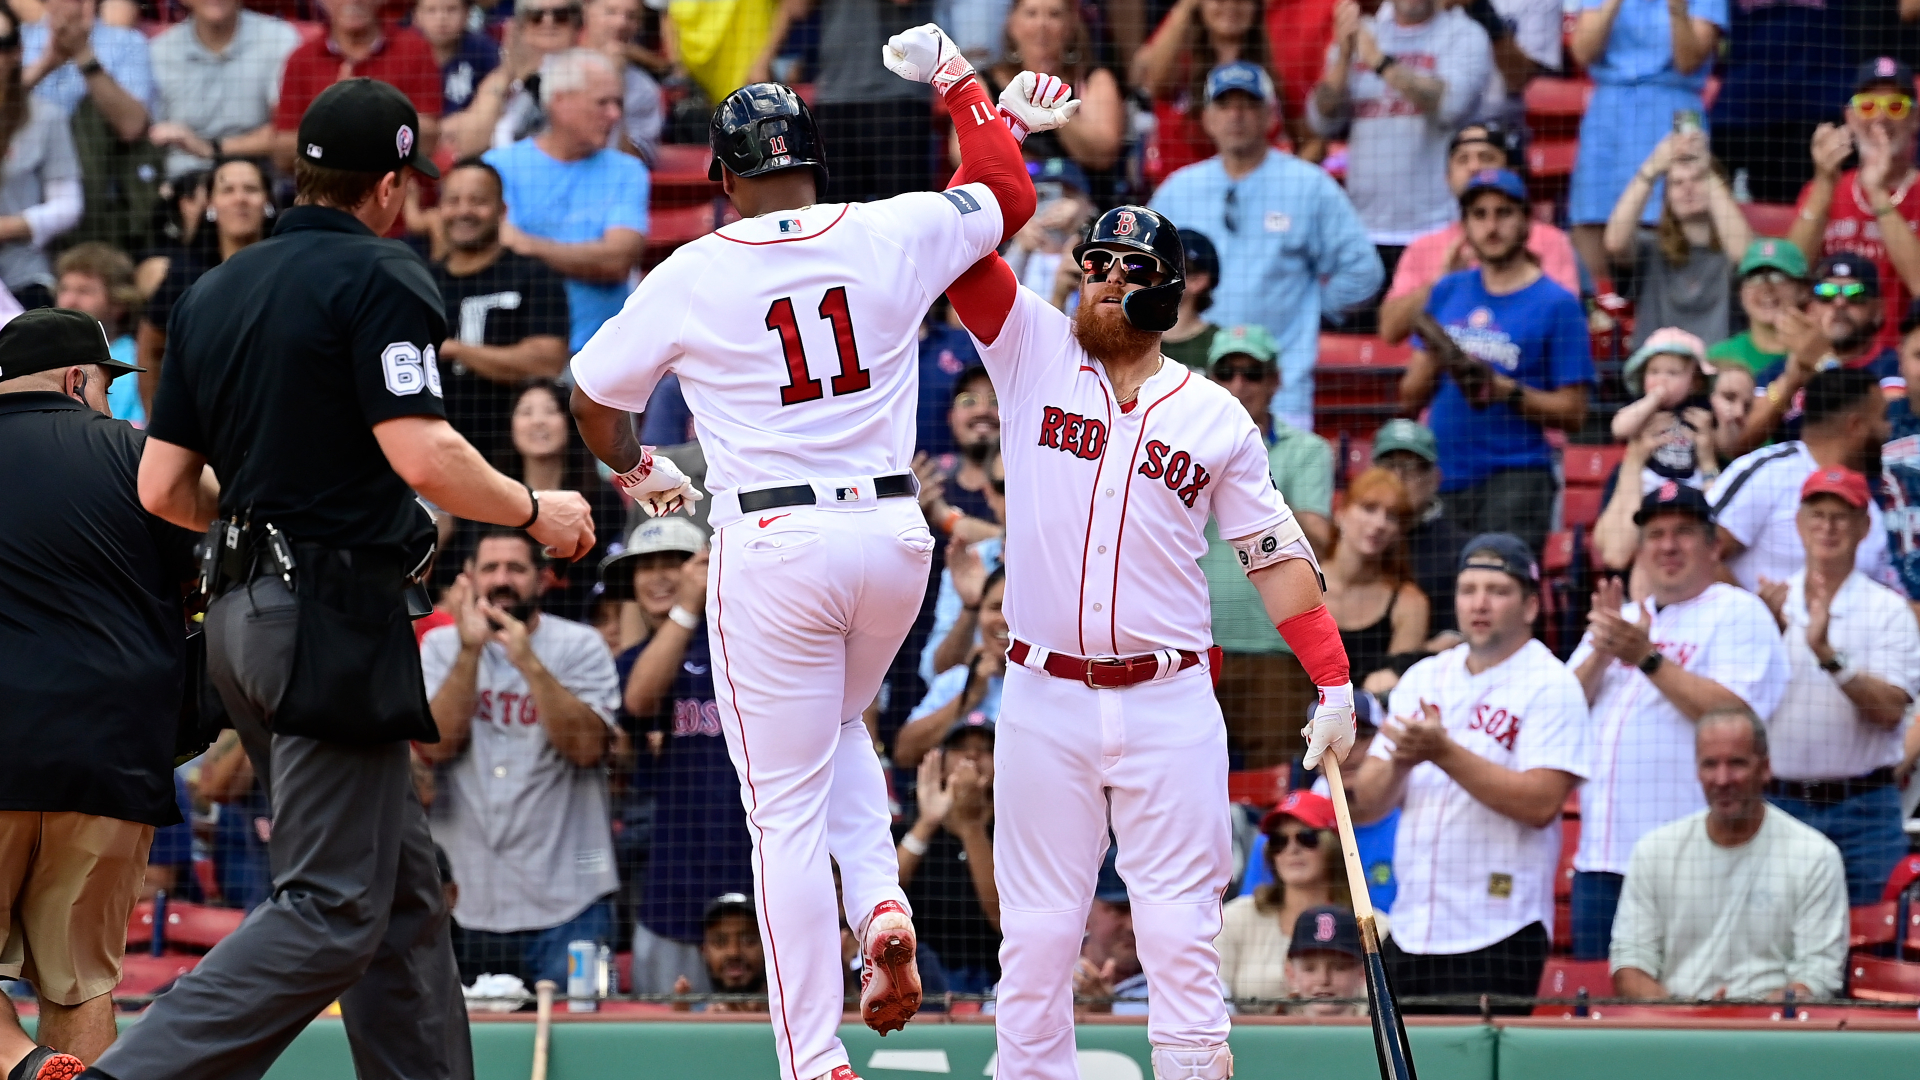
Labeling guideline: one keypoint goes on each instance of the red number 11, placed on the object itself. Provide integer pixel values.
(800, 385)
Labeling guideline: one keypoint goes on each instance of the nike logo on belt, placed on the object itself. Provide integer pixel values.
(764, 522)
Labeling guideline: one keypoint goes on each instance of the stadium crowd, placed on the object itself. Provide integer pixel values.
(1717, 673)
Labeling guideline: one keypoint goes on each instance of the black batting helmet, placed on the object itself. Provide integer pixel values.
(1156, 308)
(763, 128)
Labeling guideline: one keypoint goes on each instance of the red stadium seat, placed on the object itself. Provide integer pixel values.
(1339, 351)
(1257, 787)
(1569, 845)
(1871, 924)
(191, 926)
(680, 176)
(1563, 978)
(1590, 464)
(1558, 98)
(1770, 219)
(142, 975)
(1552, 158)
(1877, 978)
(1558, 556)
(1580, 506)
(1358, 457)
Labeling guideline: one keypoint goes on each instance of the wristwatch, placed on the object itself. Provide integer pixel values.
(1387, 60)
(91, 68)
(1651, 662)
(1835, 664)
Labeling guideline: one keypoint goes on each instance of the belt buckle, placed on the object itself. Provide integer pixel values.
(1125, 667)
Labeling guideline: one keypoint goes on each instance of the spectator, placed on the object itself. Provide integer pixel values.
(507, 106)
(1733, 392)
(1785, 65)
(1408, 450)
(608, 25)
(1108, 974)
(946, 354)
(243, 873)
(732, 960)
(356, 45)
(1485, 742)
(71, 58)
(465, 57)
(1514, 359)
(1898, 494)
(962, 578)
(974, 419)
(572, 203)
(1734, 901)
(1381, 613)
(1290, 244)
(1190, 340)
(1649, 67)
(946, 857)
(1669, 436)
(1854, 649)
(1445, 251)
(1038, 252)
(1650, 669)
(1298, 34)
(507, 313)
(40, 194)
(1302, 861)
(1375, 841)
(1048, 37)
(1682, 269)
(1261, 687)
(1773, 279)
(717, 43)
(976, 27)
(1758, 495)
(962, 691)
(98, 280)
(1323, 964)
(1400, 83)
(524, 702)
(217, 80)
(1846, 315)
(239, 208)
(1858, 212)
(1195, 37)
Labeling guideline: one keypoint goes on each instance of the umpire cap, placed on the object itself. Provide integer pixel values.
(763, 128)
(45, 339)
(364, 125)
(1136, 228)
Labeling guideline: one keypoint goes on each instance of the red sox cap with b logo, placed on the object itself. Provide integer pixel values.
(1327, 928)
(1673, 497)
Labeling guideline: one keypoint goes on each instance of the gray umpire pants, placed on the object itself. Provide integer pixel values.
(357, 912)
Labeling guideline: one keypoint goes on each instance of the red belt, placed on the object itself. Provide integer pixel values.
(1108, 673)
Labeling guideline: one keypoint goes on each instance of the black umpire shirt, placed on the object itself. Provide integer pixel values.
(91, 628)
(281, 360)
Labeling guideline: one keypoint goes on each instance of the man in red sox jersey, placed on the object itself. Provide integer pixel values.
(1115, 459)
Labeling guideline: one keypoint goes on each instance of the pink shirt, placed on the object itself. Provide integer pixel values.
(1420, 264)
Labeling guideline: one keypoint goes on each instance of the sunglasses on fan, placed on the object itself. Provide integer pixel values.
(1851, 291)
(1308, 839)
(1139, 267)
(1872, 106)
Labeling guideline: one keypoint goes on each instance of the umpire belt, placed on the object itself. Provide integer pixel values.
(844, 492)
(1109, 672)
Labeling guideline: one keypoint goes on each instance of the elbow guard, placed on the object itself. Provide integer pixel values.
(1276, 545)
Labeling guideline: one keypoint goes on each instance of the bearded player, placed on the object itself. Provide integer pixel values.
(1115, 459)
(794, 333)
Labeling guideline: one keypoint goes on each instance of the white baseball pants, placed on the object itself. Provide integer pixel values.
(1066, 757)
(806, 613)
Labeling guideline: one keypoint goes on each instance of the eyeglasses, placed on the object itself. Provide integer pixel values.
(1139, 267)
(1308, 839)
(1231, 215)
(1226, 373)
(1771, 277)
(1870, 106)
(564, 16)
(971, 400)
(1852, 292)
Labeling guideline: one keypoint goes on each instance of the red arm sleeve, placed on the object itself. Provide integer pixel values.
(989, 155)
(983, 296)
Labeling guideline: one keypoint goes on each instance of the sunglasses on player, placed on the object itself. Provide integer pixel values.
(1308, 839)
(1139, 267)
(1870, 106)
(1853, 292)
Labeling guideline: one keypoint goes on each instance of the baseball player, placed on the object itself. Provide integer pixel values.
(794, 333)
(1115, 459)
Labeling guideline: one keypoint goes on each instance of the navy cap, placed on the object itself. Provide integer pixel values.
(1201, 256)
(1242, 75)
(725, 904)
(1504, 552)
(973, 721)
(1849, 267)
(1505, 181)
(1062, 171)
(1883, 69)
(1673, 497)
(1327, 928)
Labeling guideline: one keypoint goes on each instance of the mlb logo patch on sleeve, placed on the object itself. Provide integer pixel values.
(966, 203)
(789, 225)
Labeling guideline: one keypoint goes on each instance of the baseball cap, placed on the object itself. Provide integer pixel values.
(1201, 256)
(1242, 75)
(1504, 552)
(1883, 69)
(1313, 811)
(1773, 253)
(1673, 497)
(1249, 339)
(1850, 486)
(1412, 436)
(725, 904)
(1505, 181)
(1667, 339)
(670, 533)
(47, 338)
(973, 721)
(363, 125)
(1326, 928)
(1852, 267)
(1493, 133)
(1059, 170)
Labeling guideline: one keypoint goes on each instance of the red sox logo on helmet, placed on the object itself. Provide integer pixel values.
(1123, 223)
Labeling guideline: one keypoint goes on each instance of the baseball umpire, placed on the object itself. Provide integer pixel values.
(303, 370)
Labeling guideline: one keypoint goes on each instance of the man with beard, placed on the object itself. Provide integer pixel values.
(1841, 329)
(1503, 355)
(525, 703)
(730, 950)
(957, 504)
(1108, 712)
(506, 313)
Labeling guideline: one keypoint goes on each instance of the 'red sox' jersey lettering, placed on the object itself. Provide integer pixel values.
(1183, 476)
(1081, 436)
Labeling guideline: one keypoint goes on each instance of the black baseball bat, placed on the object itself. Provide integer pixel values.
(1389, 1033)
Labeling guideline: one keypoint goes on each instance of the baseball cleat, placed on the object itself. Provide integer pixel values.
(843, 1072)
(46, 1063)
(889, 974)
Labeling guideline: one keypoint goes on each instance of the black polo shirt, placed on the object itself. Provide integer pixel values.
(281, 360)
(90, 618)
(509, 300)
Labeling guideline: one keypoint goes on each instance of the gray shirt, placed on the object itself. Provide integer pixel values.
(852, 33)
(40, 156)
(1697, 297)
(525, 829)
(219, 94)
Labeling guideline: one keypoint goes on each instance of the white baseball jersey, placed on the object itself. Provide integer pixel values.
(1756, 499)
(1469, 875)
(795, 334)
(1107, 506)
(1643, 774)
(1817, 732)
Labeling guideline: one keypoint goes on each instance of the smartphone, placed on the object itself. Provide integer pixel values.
(1686, 121)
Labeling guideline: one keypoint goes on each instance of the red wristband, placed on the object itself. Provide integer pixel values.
(1315, 639)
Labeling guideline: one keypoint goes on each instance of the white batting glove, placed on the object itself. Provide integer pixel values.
(1332, 727)
(926, 54)
(1034, 102)
(657, 484)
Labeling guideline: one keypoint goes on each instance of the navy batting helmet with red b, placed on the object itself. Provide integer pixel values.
(1136, 228)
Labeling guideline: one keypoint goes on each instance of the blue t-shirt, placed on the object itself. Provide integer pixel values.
(1375, 842)
(575, 202)
(700, 843)
(1639, 49)
(1884, 366)
(1899, 494)
(473, 59)
(945, 352)
(1536, 336)
(123, 394)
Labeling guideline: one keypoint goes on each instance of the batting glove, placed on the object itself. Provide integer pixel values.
(657, 484)
(1034, 102)
(1332, 726)
(926, 54)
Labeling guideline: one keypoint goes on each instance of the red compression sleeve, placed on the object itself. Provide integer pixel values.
(1315, 640)
(989, 155)
(983, 297)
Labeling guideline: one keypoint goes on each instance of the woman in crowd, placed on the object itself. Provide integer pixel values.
(1649, 62)
(1195, 37)
(1381, 613)
(1048, 37)
(965, 688)
(39, 181)
(177, 215)
(1683, 268)
(1303, 860)
(506, 107)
